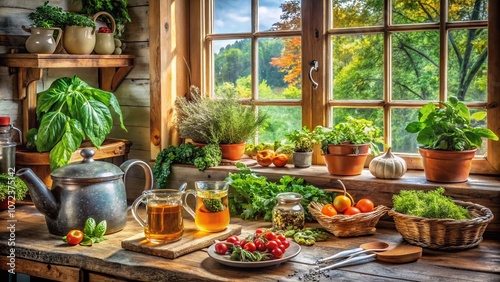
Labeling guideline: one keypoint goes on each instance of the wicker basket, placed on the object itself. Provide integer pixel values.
(444, 234)
(348, 225)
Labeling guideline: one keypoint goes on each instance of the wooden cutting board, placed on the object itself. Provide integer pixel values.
(192, 240)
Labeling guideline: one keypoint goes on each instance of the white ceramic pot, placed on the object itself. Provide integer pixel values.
(41, 40)
(79, 40)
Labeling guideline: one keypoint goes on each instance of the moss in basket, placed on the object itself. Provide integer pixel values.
(431, 204)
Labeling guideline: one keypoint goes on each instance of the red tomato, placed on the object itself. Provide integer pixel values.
(74, 237)
(280, 160)
(261, 246)
(250, 247)
(329, 210)
(341, 203)
(286, 244)
(270, 236)
(282, 247)
(242, 243)
(259, 231)
(351, 211)
(271, 245)
(277, 253)
(221, 248)
(233, 239)
(281, 238)
(365, 205)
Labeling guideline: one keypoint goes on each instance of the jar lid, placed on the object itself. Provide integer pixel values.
(88, 169)
(289, 197)
(4, 121)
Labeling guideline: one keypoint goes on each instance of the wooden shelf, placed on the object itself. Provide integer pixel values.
(112, 69)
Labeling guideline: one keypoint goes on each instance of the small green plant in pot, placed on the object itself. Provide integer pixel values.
(223, 121)
(346, 146)
(46, 29)
(303, 141)
(447, 133)
(12, 189)
(69, 111)
(79, 34)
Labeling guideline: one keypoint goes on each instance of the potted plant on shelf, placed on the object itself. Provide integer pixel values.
(12, 188)
(45, 20)
(447, 139)
(223, 121)
(79, 34)
(68, 112)
(346, 146)
(303, 141)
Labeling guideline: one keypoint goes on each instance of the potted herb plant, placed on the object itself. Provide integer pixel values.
(224, 121)
(303, 141)
(11, 186)
(447, 139)
(346, 146)
(68, 112)
(79, 34)
(46, 29)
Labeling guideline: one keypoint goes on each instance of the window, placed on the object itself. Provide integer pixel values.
(380, 60)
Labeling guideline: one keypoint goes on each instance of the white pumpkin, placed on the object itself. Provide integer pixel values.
(388, 166)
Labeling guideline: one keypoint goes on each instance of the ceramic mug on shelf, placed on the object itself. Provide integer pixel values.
(164, 222)
(211, 213)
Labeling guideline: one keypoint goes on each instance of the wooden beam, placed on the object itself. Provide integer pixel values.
(493, 108)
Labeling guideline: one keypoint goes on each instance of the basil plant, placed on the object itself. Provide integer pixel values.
(69, 112)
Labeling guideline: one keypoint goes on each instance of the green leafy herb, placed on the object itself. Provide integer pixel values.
(431, 204)
(187, 153)
(74, 19)
(89, 226)
(10, 184)
(254, 196)
(240, 254)
(449, 128)
(93, 233)
(308, 236)
(68, 111)
(213, 205)
(47, 16)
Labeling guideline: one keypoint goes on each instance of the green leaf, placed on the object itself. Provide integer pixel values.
(60, 155)
(50, 131)
(426, 110)
(96, 121)
(486, 133)
(100, 229)
(478, 115)
(108, 99)
(87, 241)
(89, 228)
(55, 95)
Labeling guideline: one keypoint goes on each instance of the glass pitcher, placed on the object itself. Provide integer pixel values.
(212, 210)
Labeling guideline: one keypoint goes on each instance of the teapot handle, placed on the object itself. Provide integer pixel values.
(148, 173)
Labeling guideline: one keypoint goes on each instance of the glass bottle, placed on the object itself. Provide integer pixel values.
(288, 212)
(7, 147)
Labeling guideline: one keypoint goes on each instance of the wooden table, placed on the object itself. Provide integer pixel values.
(41, 254)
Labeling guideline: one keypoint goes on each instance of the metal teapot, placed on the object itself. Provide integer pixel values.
(82, 190)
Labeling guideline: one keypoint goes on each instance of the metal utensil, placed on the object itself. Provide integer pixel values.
(377, 246)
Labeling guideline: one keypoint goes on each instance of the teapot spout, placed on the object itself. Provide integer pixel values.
(42, 197)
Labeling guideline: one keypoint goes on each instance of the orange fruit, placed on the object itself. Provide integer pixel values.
(265, 157)
(341, 203)
(365, 205)
(280, 160)
(351, 211)
(329, 210)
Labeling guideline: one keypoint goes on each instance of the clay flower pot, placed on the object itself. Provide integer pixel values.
(232, 152)
(302, 159)
(446, 166)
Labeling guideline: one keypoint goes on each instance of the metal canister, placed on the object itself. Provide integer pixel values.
(7, 146)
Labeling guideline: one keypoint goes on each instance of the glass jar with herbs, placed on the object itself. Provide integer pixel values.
(288, 212)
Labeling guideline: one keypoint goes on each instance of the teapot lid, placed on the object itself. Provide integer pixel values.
(88, 169)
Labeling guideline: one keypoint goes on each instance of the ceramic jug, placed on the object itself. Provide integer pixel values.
(41, 40)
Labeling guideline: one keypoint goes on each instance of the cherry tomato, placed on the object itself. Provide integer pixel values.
(329, 210)
(270, 236)
(259, 231)
(341, 203)
(250, 247)
(221, 248)
(277, 253)
(282, 247)
(74, 237)
(281, 238)
(351, 211)
(286, 244)
(234, 240)
(271, 245)
(261, 246)
(242, 243)
(365, 205)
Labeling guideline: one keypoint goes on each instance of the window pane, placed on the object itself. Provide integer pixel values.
(480, 123)
(356, 13)
(402, 141)
(340, 114)
(282, 120)
(467, 64)
(409, 12)
(232, 16)
(415, 65)
(279, 15)
(232, 66)
(467, 10)
(358, 67)
(280, 68)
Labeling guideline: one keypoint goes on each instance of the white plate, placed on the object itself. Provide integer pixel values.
(291, 252)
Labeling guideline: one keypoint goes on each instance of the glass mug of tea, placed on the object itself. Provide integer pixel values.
(164, 222)
(211, 213)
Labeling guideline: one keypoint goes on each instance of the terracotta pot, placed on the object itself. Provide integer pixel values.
(347, 148)
(232, 152)
(350, 164)
(4, 204)
(446, 166)
(302, 159)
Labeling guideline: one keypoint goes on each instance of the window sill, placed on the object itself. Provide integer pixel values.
(479, 189)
